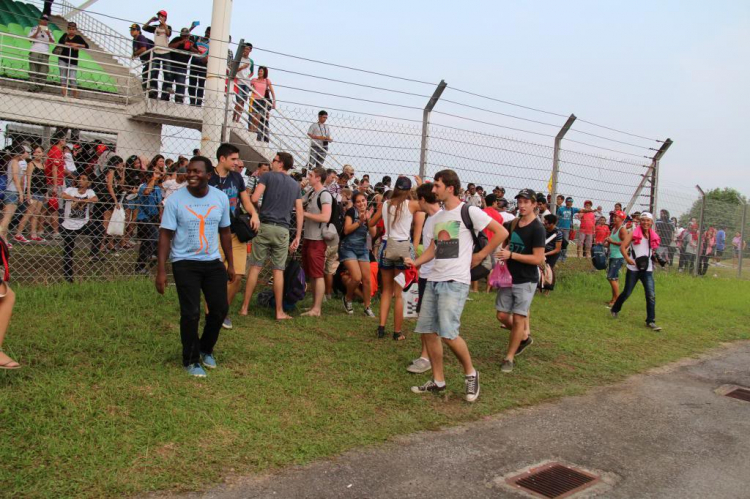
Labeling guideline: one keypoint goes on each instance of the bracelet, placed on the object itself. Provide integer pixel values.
(510, 257)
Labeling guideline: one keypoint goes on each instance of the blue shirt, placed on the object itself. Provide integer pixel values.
(721, 240)
(565, 217)
(148, 206)
(196, 222)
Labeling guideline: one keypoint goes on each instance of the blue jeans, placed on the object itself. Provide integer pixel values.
(441, 309)
(631, 279)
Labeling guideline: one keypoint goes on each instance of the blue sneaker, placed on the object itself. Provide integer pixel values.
(227, 324)
(195, 370)
(208, 360)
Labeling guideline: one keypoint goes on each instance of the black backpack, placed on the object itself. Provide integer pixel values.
(480, 241)
(294, 283)
(337, 217)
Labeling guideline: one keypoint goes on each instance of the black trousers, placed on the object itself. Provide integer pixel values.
(69, 246)
(148, 233)
(47, 10)
(192, 277)
(197, 83)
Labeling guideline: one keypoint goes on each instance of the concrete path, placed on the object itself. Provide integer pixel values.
(665, 434)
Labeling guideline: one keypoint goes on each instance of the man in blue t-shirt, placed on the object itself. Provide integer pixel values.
(194, 220)
(565, 215)
(226, 178)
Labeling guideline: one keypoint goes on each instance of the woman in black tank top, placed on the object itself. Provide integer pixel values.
(36, 192)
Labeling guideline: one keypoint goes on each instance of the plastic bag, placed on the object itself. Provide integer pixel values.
(117, 222)
(500, 276)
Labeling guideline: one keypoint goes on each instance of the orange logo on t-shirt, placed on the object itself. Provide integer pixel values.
(201, 227)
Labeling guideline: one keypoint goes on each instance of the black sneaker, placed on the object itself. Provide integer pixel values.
(472, 387)
(381, 332)
(430, 387)
(347, 306)
(525, 343)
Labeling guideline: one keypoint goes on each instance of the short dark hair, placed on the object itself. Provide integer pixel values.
(207, 165)
(424, 191)
(386, 180)
(114, 161)
(550, 219)
(331, 170)
(490, 199)
(286, 159)
(560, 196)
(196, 151)
(470, 185)
(264, 163)
(225, 150)
(59, 135)
(450, 179)
(322, 113)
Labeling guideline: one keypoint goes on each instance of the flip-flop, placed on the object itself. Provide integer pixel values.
(398, 337)
(8, 367)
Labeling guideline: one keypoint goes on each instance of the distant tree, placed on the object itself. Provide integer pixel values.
(723, 209)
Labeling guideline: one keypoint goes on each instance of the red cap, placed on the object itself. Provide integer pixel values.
(162, 13)
(100, 149)
(621, 214)
(588, 202)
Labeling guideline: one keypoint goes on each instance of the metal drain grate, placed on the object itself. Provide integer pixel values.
(554, 481)
(740, 393)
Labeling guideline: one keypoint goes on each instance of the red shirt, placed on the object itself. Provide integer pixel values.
(55, 161)
(602, 233)
(494, 215)
(588, 221)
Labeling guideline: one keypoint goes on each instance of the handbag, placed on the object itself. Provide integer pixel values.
(395, 250)
(241, 227)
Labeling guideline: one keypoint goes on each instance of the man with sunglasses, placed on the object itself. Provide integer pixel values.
(281, 194)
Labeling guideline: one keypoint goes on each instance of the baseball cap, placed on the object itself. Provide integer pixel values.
(648, 215)
(162, 13)
(541, 198)
(135, 27)
(526, 194)
(403, 183)
(621, 214)
(588, 202)
(568, 199)
(101, 148)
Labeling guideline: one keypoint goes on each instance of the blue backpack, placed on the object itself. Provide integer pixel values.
(599, 257)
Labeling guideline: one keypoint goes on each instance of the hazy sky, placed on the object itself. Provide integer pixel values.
(660, 69)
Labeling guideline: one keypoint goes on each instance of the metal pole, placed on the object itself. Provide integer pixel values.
(556, 159)
(425, 125)
(213, 110)
(700, 231)
(651, 175)
(742, 239)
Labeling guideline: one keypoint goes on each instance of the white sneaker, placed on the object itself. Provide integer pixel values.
(419, 366)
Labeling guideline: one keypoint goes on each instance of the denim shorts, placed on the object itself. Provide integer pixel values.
(516, 299)
(613, 269)
(352, 253)
(386, 264)
(11, 197)
(38, 197)
(442, 306)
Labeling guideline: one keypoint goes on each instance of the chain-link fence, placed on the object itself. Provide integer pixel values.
(153, 110)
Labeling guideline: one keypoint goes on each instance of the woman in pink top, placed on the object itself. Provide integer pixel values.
(263, 100)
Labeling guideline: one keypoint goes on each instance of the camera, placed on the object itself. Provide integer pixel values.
(657, 258)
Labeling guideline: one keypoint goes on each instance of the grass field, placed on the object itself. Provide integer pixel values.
(102, 407)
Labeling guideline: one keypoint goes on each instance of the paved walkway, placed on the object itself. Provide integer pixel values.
(665, 434)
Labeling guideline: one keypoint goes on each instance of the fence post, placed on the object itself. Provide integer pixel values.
(652, 175)
(742, 240)
(556, 159)
(425, 125)
(700, 231)
(216, 74)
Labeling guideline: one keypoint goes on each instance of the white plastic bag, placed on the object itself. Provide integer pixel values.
(117, 222)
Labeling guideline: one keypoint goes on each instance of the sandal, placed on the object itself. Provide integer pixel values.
(11, 364)
(398, 336)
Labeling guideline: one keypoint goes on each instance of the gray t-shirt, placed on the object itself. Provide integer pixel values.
(278, 198)
(314, 230)
(319, 129)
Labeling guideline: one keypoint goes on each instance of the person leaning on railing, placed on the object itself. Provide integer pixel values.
(198, 69)
(39, 53)
(183, 47)
(161, 58)
(68, 46)
(141, 48)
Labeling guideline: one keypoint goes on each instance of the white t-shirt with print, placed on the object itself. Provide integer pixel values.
(454, 244)
(76, 218)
